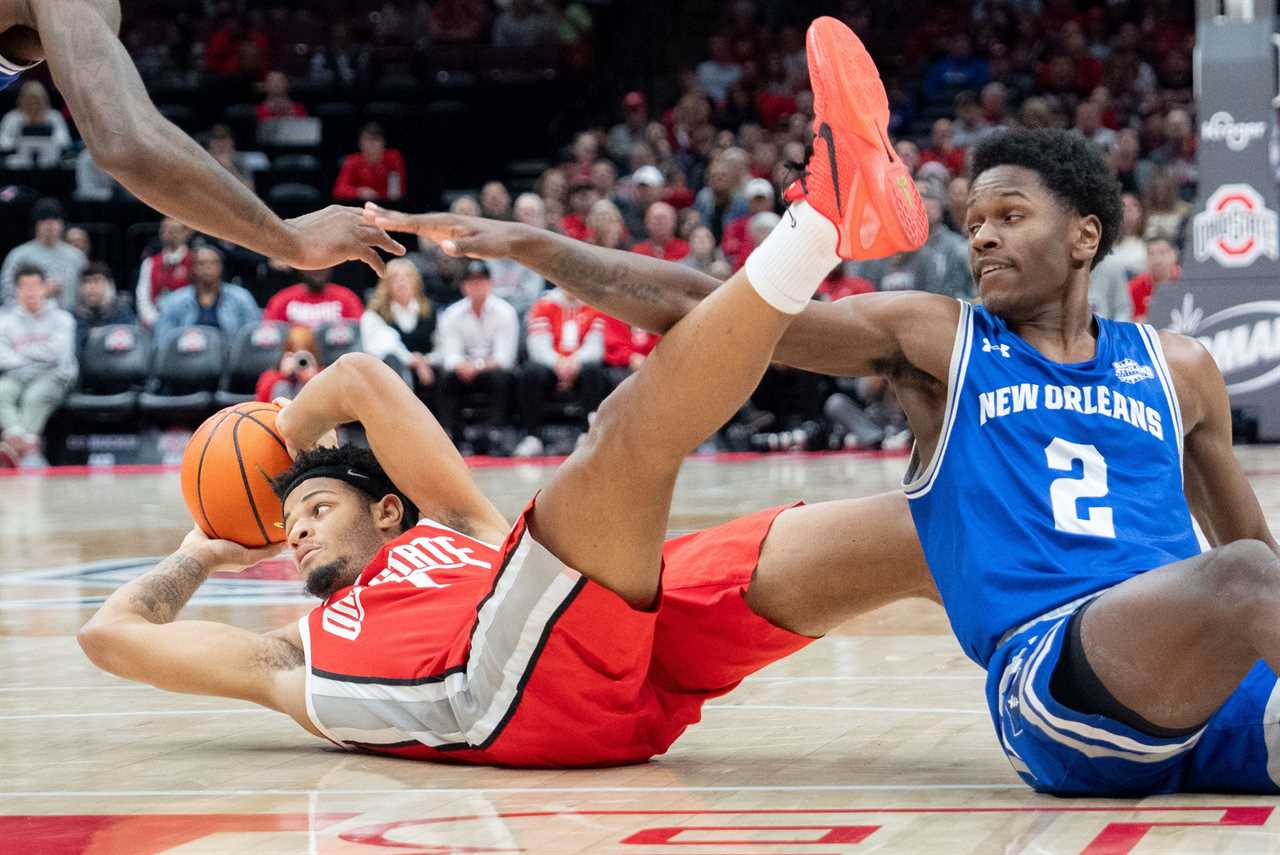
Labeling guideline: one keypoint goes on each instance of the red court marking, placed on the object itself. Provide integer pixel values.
(834, 834)
(142, 834)
(473, 462)
(1116, 838)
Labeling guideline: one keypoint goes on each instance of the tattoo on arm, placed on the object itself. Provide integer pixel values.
(161, 593)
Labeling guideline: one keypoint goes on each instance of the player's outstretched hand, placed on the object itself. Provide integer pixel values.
(336, 234)
(473, 237)
(223, 555)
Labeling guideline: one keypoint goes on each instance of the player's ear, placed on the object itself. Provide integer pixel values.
(1088, 236)
(388, 513)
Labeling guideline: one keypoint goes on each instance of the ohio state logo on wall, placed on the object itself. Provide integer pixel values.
(1235, 227)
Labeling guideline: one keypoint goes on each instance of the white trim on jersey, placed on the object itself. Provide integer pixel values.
(922, 482)
(435, 524)
(465, 706)
(1271, 733)
(1151, 339)
(304, 630)
(8, 66)
(1073, 733)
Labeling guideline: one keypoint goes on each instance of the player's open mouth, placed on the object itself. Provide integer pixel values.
(991, 266)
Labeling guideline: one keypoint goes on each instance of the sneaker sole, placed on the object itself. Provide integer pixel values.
(885, 211)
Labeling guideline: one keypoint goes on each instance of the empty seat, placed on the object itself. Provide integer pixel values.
(292, 198)
(336, 339)
(254, 349)
(113, 368)
(184, 374)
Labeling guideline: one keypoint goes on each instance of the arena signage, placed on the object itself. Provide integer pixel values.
(1243, 339)
(1222, 127)
(1235, 228)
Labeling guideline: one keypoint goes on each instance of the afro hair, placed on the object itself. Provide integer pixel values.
(1071, 167)
(350, 463)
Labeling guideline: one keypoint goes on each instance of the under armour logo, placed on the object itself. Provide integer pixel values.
(988, 347)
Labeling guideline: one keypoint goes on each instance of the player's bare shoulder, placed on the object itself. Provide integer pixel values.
(1196, 377)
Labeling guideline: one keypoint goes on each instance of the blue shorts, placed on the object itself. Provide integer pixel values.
(1058, 750)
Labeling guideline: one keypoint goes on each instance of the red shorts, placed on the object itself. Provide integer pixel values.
(609, 684)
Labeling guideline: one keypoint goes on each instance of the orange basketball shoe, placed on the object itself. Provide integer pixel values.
(854, 178)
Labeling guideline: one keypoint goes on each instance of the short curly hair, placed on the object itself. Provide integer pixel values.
(1071, 167)
(352, 464)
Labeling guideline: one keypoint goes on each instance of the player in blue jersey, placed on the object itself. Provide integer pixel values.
(150, 155)
(1059, 460)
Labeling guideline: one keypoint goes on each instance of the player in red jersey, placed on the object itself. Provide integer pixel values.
(578, 637)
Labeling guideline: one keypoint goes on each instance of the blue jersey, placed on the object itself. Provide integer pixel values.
(10, 71)
(1049, 481)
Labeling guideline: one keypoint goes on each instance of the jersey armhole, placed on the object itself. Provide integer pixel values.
(10, 67)
(917, 481)
(1151, 338)
(304, 632)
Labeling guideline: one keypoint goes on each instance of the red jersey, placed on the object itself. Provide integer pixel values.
(1141, 287)
(621, 341)
(386, 177)
(296, 305)
(549, 322)
(453, 650)
(675, 249)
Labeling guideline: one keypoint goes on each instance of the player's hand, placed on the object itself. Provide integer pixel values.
(473, 237)
(285, 427)
(223, 556)
(328, 237)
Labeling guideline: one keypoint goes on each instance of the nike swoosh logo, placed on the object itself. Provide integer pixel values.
(825, 132)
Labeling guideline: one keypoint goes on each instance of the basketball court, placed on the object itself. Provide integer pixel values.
(875, 739)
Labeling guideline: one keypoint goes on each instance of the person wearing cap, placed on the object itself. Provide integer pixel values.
(478, 337)
(737, 242)
(647, 185)
(660, 224)
(625, 134)
(61, 262)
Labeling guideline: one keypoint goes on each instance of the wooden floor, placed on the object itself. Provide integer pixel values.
(875, 739)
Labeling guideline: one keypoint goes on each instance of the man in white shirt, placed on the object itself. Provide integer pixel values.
(478, 337)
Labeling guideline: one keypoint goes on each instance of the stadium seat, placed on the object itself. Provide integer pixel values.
(290, 169)
(255, 349)
(180, 114)
(292, 199)
(243, 121)
(186, 371)
(113, 368)
(336, 339)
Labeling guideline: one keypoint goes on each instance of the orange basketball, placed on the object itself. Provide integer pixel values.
(227, 471)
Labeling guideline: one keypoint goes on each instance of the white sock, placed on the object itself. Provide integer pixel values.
(787, 268)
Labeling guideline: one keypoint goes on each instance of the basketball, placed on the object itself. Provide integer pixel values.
(227, 471)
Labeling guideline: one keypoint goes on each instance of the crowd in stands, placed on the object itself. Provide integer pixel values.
(498, 354)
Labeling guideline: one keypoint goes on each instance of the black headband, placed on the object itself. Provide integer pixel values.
(373, 485)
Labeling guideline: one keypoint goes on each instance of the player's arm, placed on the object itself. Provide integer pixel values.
(1217, 490)
(414, 450)
(135, 635)
(867, 334)
(160, 164)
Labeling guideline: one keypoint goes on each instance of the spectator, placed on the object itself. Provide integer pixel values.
(647, 185)
(1178, 154)
(1162, 267)
(941, 266)
(622, 136)
(226, 55)
(737, 243)
(957, 203)
(99, 305)
(717, 202)
(584, 154)
(566, 354)
(943, 149)
(703, 251)
(478, 339)
(582, 195)
(523, 26)
(660, 225)
(1109, 280)
(994, 102)
(341, 61)
(1133, 172)
(1037, 113)
(720, 72)
(625, 349)
(298, 364)
(466, 206)
(399, 326)
(1089, 125)
(78, 237)
(166, 271)
(959, 69)
(314, 302)
(909, 153)
(33, 136)
(93, 184)
(222, 148)
(375, 172)
(277, 104)
(207, 301)
(512, 281)
(1165, 211)
(605, 226)
(60, 262)
(37, 366)
(604, 177)
(495, 201)
(971, 126)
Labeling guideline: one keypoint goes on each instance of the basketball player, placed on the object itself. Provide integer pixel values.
(148, 154)
(1059, 459)
(576, 638)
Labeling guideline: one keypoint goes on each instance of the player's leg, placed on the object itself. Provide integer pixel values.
(605, 513)
(1171, 645)
(823, 564)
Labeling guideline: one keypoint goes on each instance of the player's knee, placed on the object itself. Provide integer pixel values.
(1242, 570)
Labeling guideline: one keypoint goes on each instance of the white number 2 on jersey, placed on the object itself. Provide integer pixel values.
(1065, 492)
